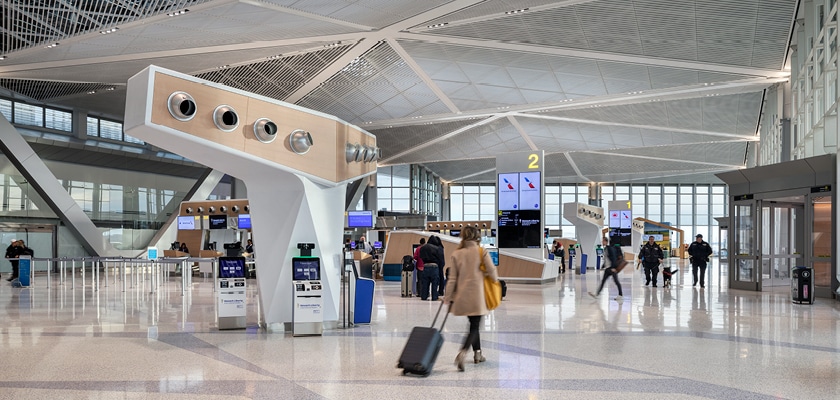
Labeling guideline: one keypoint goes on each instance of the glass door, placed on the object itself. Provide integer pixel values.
(744, 271)
(782, 227)
(822, 243)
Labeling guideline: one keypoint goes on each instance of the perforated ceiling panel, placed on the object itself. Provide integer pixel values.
(483, 141)
(557, 165)
(715, 31)
(733, 114)
(490, 9)
(47, 90)
(376, 86)
(727, 153)
(399, 139)
(226, 24)
(461, 171)
(373, 13)
(276, 78)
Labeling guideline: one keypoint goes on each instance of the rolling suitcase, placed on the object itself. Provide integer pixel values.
(405, 284)
(422, 349)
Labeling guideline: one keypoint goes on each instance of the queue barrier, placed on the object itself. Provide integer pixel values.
(130, 271)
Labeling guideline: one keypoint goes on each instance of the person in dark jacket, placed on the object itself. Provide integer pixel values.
(422, 289)
(12, 252)
(651, 256)
(560, 253)
(612, 255)
(441, 270)
(433, 262)
(698, 255)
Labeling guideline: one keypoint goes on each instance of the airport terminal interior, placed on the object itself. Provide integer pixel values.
(176, 248)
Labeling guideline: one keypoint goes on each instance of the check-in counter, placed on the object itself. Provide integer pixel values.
(365, 263)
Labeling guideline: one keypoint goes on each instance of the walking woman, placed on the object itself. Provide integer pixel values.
(613, 256)
(466, 289)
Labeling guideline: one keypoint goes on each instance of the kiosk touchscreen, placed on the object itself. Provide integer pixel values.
(307, 313)
(231, 292)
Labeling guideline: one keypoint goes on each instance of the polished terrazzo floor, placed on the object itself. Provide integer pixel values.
(545, 342)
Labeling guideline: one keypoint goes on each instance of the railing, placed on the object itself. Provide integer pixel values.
(130, 271)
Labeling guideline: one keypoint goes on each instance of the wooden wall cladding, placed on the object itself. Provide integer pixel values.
(512, 267)
(241, 203)
(329, 137)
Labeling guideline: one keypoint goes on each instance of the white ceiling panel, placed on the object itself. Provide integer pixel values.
(639, 80)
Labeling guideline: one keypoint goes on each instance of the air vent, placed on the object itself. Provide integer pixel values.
(181, 106)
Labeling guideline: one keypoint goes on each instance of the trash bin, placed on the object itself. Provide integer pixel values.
(802, 285)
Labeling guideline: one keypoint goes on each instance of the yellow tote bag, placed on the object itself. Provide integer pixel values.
(492, 290)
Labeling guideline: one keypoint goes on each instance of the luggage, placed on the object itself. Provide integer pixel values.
(408, 263)
(405, 284)
(504, 288)
(422, 349)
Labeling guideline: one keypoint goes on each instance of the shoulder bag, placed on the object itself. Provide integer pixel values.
(492, 289)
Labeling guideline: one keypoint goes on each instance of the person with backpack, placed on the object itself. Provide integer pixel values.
(612, 257)
(651, 256)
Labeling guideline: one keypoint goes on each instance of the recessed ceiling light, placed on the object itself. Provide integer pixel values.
(176, 13)
(2, 57)
(112, 30)
(52, 45)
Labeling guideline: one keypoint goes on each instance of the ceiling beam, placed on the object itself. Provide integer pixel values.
(619, 154)
(575, 167)
(434, 13)
(441, 138)
(423, 75)
(593, 55)
(522, 132)
(750, 138)
(488, 17)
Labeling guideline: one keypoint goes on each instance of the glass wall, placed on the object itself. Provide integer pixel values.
(408, 189)
(691, 208)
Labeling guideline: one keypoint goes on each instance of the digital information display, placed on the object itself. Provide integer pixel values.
(529, 191)
(520, 229)
(626, 219)
(218, 221)
(508, 193)
(186, 222)
(615, 219)
(360, 219)
(231, 267)
(244, 221)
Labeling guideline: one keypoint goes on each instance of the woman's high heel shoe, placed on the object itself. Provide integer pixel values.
(459, 360)
(478, 358)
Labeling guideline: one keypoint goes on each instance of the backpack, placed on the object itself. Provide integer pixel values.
(408, 263)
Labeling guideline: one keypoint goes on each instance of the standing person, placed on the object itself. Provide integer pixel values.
(249, 248)
(365, 246)
(651, 256)
(560, 253)
(11, 252)
(466, 282)
(418, 266)
(432, 255)
(611, 259)
(14, 251)
(698, 255)
(441, 266)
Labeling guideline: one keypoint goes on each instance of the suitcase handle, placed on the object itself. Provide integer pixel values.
(438, 314)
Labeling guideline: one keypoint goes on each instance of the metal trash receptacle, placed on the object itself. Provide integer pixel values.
(802, 284)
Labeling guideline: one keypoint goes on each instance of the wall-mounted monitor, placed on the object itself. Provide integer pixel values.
(455, 233)
(306, 269)
(217, 221)
(186, 222)
(360, 219)
(377, 245)
(231, 267)
(244, 221)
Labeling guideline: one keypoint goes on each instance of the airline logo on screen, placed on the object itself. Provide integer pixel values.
(530, 184)
(509, 185)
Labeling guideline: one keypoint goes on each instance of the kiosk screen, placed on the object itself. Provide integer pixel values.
(306, 269)
(231, 267)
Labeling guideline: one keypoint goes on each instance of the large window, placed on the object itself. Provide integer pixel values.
(408, 189)
(688, 207)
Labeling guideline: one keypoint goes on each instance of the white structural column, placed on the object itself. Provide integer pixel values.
(588, 221)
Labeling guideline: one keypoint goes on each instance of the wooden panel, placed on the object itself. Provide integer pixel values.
(512, 267)
(325, 158)
(401, 244)
(192, 238)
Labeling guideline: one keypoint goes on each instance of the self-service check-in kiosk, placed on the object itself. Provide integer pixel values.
(308, 308)
(231, 292)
